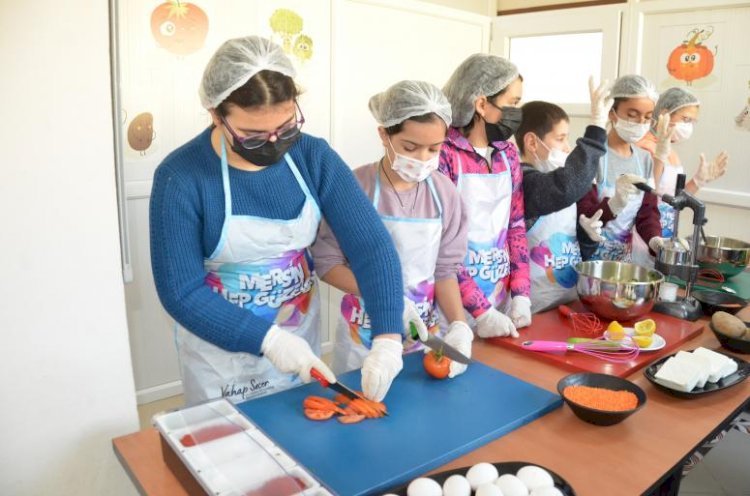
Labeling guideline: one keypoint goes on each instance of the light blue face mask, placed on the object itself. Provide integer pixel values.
(631, 132)
(555, 158)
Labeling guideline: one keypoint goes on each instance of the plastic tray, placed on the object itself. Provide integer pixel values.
(225, 454)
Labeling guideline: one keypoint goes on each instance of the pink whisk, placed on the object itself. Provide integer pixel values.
(583, 323)
(609, 351)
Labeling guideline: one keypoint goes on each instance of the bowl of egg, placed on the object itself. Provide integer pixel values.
(489, 479)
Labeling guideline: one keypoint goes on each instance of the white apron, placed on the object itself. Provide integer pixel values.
(553, 254)
(260, 265)
(417, 242)
(487, 199)
(618, 232)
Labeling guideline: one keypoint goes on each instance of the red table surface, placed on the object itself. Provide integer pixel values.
(552, 326)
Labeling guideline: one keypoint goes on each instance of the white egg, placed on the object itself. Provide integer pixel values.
(481, 473)
(456, 485)
(424, 487)
(535, 477)
(511, 485)
(547, 491)
(489, 489)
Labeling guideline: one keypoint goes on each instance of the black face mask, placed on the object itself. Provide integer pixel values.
(508, 125)
(268, 154)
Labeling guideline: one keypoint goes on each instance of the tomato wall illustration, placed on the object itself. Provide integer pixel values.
(179, 27)
(287, 28)
(141, 132)
(692, 59)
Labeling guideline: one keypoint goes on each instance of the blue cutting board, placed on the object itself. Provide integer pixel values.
(431, 422)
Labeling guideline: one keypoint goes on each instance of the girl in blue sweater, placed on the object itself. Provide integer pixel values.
(233, 212)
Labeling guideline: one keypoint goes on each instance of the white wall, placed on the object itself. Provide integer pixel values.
(65, 372)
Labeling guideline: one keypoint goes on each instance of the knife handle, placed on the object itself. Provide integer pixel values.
(315, 374)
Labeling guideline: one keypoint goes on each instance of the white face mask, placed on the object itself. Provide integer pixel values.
(555, 159)
(682, 131)
(631, 132)
(410, 169)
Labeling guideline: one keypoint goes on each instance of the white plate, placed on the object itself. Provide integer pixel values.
(657, 343)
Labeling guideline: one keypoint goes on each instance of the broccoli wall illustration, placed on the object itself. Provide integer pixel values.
(287, 27)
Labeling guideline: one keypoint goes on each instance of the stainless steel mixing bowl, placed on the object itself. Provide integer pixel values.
(617, 290)
(728, 256)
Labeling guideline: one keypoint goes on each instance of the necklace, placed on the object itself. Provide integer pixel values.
(398, 197)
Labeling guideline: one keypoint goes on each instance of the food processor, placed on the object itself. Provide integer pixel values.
(676, 258)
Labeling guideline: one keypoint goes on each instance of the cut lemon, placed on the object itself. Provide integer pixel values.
(645, 328)
(643, 341)
(616, 331)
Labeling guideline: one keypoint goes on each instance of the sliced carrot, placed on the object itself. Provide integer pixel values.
(313, 414)
(320, 403)
(340, 398)
(350, 419)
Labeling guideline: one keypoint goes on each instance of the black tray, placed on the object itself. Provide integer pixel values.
(742, 373)
(502, 468)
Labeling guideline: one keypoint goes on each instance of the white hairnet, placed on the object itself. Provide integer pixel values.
(407, 99)
(235, 62)
(479, 75)
(674, 99)
(634, 86)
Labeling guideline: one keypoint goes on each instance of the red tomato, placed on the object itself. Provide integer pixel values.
(318, 414)
(179, 27)
(437, 365)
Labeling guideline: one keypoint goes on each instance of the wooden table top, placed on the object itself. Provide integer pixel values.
(625, 459)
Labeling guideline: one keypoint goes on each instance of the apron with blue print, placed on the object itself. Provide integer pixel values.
(487, 199)
(553, 253)
(262, 266)
(417, 242)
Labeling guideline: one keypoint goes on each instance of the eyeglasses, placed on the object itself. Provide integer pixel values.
(286, 131)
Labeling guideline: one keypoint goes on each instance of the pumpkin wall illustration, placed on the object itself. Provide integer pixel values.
(706, 52)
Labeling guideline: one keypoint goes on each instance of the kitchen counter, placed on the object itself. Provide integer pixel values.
(643, 454)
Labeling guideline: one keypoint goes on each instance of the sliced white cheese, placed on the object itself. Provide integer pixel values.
(701, 364)
(721, 365)
(678, 375)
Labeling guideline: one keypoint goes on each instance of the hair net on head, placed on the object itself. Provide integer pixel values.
(407, 99)
(235, 62)
(674, 99)
(634, 86)
(479, 75)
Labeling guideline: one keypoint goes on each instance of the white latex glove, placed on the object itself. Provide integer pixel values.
(601, 102)
(520, 311)
(459, 336)
(710, 171)
(592, 225)
(624, 190)
(493, 323)
(382, 364)
(411, 314)
(291, 354)
(664, 135)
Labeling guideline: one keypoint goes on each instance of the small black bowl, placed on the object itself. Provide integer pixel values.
(604, 381)
(734, 344)
(716, 301)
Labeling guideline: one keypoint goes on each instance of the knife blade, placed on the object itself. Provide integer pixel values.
(435, 343)
(336, 386)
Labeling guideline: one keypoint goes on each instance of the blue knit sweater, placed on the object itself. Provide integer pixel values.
(186, 217)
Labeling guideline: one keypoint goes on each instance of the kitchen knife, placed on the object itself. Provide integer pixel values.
(336, 386)
(435, 343)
